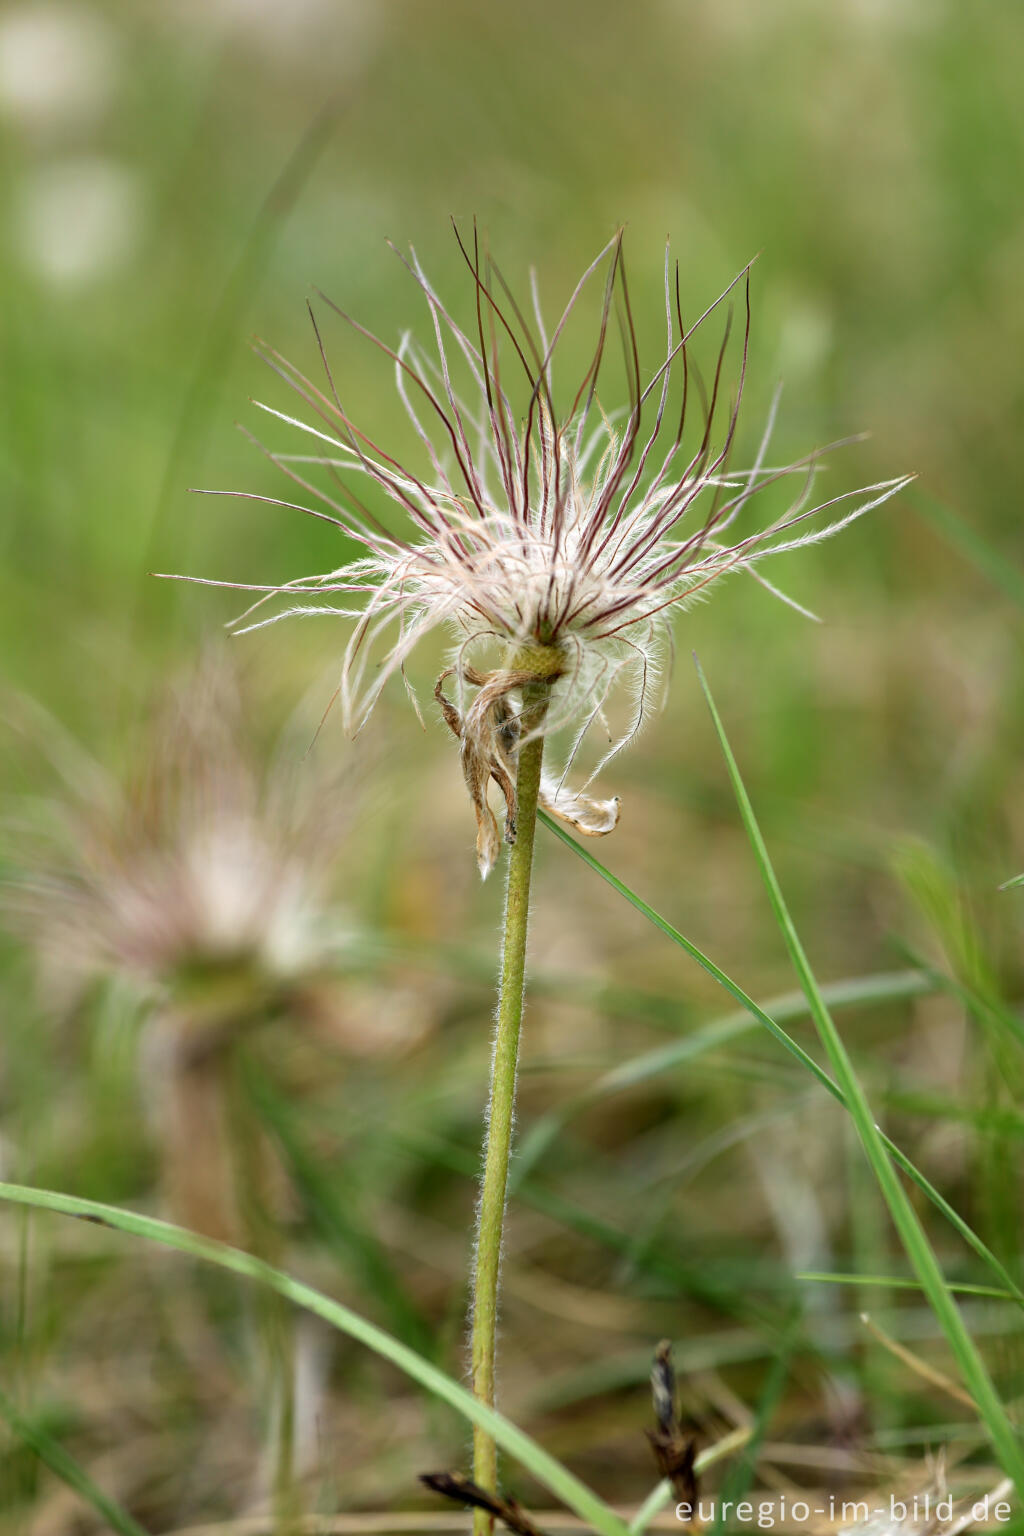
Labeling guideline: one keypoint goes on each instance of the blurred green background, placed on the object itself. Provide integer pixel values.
(179, 176)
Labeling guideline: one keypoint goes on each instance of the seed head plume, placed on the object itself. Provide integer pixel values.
(552, 537)
(203, 885)
(204, 869)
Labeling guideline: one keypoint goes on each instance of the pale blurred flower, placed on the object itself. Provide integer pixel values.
(806, 337)
(76, 220)
(557, 538)
(58, 66)
(303, 32)
(922, 1505)
(204, 887)
(895, 15)
(205, 868)
(749, 24)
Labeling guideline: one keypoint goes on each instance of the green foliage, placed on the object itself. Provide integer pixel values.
(912, 1234)
(547, 1471)
(869, 152)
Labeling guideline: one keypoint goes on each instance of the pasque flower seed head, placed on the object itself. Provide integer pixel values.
(558, 538)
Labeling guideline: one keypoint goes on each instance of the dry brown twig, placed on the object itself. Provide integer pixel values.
(454, 1486)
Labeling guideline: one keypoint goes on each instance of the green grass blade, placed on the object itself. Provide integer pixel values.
(788, 1006)
(741, 1474)
(334, 1214)
(991, 1410)
(368, 954)
(902, 1283)
(71, 1472)
(1002, 1121)
(557, 1479)
(756, 1011)
(702, 960)
(662, 1264)
(984, 556)
(972, 974)
(825, 1336)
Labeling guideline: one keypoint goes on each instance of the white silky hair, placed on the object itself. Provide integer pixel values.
(574, 533)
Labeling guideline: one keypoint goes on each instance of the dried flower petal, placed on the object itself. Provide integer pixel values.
(594, 818)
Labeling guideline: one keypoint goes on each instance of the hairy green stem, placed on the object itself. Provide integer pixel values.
(501, 1106)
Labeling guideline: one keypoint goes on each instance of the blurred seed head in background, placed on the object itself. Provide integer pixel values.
(206, 867)
(206, 884)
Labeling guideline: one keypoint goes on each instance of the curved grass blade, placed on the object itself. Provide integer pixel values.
(557, 1479)
(902, 1283)
(334, 1213)
(965, 538)
(973, 1370)
(926, 1187)
(663, 1264)
(890, 986)
(825, 1336)
(70, 1471)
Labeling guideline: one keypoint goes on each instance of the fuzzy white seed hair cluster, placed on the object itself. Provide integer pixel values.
(540, 528)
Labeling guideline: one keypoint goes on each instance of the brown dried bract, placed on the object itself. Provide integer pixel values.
(489, 737)
(674, 1450)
